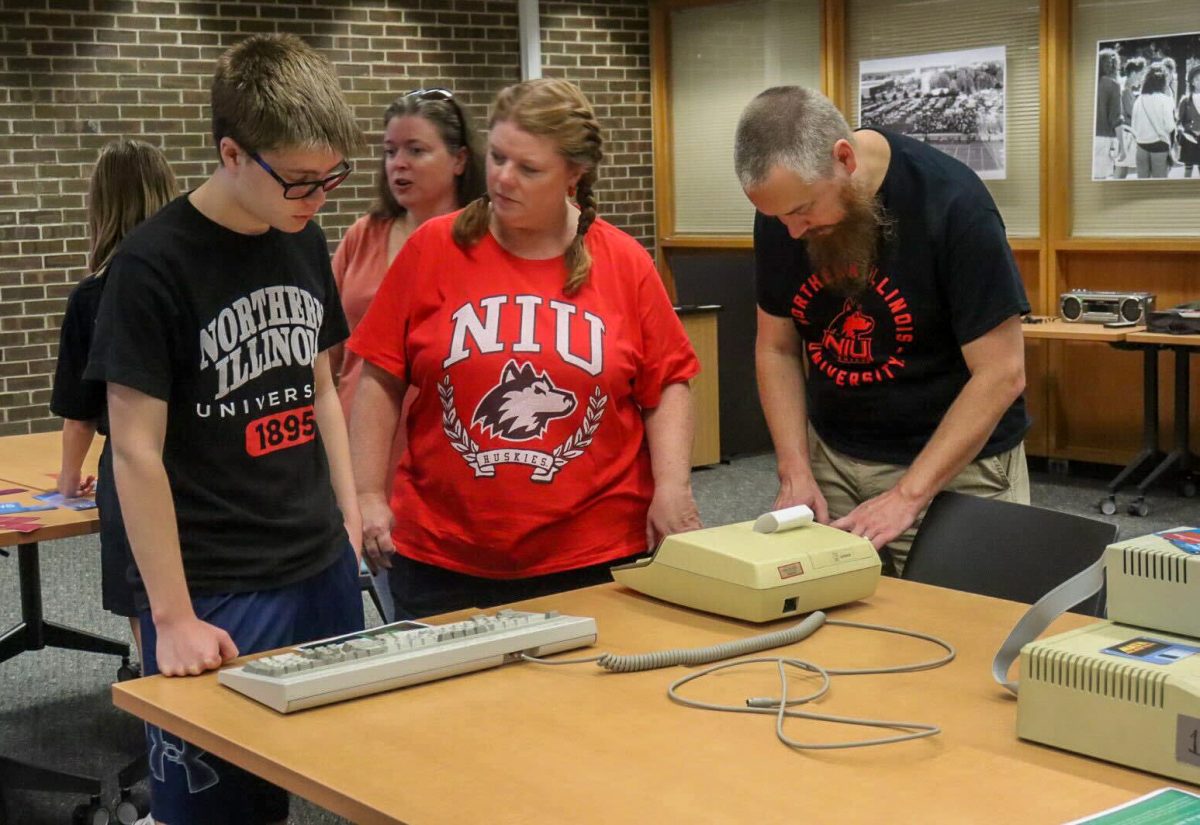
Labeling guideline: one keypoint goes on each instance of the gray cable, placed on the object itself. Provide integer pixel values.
(697, 655)
(779, 707)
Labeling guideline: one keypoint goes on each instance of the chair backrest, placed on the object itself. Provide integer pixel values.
(999, 548)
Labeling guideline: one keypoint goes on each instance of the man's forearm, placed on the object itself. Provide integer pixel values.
(781, 393)
(961, 434)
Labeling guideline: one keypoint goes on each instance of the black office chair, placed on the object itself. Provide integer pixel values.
(1011, 551)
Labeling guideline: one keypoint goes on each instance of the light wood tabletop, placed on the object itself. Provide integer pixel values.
(32, 462)
(1057, 329)
(1163, 339)
(534, 744)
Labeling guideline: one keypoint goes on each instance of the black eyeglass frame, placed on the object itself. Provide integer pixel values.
(438, 93)
(327, 184)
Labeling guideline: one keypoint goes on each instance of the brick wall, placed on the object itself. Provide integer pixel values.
(75, 74)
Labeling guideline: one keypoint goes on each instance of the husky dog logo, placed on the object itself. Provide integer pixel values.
(849, 334)
(523, 404)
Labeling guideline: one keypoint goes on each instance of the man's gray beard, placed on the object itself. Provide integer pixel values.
(845, 256)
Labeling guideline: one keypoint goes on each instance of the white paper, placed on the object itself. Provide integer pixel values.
(787, 519)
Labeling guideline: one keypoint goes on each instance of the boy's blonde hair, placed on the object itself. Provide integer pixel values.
(275, 91)
(131, 182)
(557, 110)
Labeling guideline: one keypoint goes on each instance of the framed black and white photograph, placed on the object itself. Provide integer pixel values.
(953, 101)
(1147, 123)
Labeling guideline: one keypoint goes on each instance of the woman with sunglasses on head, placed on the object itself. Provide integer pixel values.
(431, 165)
(551, 436)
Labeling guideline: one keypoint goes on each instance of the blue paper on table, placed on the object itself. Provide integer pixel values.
(18, 507)
(59, 500)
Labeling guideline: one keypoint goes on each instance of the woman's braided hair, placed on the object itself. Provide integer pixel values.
(557, 110)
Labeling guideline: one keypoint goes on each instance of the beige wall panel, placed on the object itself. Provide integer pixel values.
(885, 28)
(721, 57)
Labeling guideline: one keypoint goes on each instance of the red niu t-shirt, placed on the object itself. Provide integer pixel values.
(526, 447)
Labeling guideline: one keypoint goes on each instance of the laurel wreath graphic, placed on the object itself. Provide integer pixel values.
(575, 444)
(460, 439)
(573, 447)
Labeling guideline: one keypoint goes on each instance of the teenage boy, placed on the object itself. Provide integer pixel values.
(230, 449)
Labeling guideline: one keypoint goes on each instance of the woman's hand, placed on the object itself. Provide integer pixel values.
(377, 521)
(672, 510)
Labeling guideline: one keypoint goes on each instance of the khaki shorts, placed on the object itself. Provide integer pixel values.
(847, 482)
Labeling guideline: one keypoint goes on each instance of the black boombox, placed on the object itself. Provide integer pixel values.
(1090, 306)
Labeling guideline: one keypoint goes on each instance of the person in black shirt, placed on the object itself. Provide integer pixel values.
(230, 450)
(889, 354)
(132, 180)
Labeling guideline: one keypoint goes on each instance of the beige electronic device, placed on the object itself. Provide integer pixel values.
(735, 571)
(1126, 690)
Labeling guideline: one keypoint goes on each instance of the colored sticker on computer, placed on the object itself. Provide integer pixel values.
(788, 571)
(1186, 539)
(1152, 651)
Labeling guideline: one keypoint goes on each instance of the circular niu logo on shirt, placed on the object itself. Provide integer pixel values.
(854, 340)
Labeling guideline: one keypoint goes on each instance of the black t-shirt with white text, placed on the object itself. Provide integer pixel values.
(225, 328)
(885, 365)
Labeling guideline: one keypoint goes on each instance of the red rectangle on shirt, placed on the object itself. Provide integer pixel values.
(280, 431)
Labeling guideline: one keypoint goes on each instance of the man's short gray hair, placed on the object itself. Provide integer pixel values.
(788, 126)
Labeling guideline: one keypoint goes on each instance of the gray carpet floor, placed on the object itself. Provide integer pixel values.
(55, 706)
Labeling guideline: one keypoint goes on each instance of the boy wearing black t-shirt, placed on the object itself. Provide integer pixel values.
(230, 449)
(889, 353)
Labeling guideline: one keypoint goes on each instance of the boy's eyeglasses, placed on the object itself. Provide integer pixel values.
(301, 189)
(447, 96)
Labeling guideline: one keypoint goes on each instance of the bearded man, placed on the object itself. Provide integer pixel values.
(889, 353)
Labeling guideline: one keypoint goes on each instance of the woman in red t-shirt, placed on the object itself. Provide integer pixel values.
(551, 435)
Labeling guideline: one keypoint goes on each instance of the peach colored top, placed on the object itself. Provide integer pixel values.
(359, 265)
(358, 268)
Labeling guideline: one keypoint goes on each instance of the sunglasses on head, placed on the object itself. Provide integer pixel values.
(444, 95)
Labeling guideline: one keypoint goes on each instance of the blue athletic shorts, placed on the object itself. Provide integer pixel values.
(189, 786)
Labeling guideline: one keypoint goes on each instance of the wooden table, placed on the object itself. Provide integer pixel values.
(1181, 455)
(31, 461)
(533, 744)
(1056, 329)
(1150, 462)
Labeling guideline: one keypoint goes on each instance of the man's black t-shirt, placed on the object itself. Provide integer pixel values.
(225, 328)
(885, 365)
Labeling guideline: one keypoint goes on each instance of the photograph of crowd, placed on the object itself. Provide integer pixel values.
(1147, 108)
(951, 100)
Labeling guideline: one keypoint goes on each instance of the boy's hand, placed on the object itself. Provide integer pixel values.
(188, 647)
(70, 485)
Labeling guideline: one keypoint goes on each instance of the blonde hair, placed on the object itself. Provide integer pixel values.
(275, 91)
(132, 180)
(557, 110)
